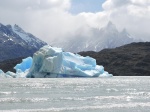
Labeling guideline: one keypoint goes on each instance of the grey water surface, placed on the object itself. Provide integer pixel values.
(116, 94)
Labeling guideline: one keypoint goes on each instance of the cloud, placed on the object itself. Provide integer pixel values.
(44, 18)
(52, 19)
(131, 14)
(113, 4)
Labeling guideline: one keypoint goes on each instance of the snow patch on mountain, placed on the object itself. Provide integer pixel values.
(27, 37)
(21, 33)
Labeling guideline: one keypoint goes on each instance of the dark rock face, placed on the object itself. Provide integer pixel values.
(129, 60)
(8, 65)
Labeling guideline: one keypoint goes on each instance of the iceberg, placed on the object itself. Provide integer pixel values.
(26, 64)
(53, 62)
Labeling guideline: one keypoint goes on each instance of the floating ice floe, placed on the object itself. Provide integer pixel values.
(52, 62)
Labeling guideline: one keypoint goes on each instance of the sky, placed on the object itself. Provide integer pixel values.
(62, 19)
(79, 6)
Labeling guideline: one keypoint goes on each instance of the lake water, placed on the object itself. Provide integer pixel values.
(117, 94)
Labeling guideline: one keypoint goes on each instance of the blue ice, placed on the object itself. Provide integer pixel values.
(26, 64)
(52, 62)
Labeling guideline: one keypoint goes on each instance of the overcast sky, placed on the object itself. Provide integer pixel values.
(49, 19)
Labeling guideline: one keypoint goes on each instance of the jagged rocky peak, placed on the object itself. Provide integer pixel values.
(4, 30)
(125, 32)
(18, 28)
(110, 25)
(1, 25)
(9, 26)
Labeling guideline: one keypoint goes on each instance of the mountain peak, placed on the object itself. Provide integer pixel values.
(9, 26)
(110, 25)
(1, 25)
(124, 31)
(17, 28)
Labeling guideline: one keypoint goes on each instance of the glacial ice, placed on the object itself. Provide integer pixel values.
(2, 74)
(26, 64)
(22, 69)
(52, 62)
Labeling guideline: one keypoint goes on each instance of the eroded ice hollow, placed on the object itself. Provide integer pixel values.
(52, 62)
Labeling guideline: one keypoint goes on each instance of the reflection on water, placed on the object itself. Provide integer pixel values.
(117, 94)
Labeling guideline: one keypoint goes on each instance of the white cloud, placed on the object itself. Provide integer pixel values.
(113, 4)
(131, 14)
(44, 18)
(49, 19)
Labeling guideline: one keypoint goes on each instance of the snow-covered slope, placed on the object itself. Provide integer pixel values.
(15, 42)
(27, 37)
(106, 37)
